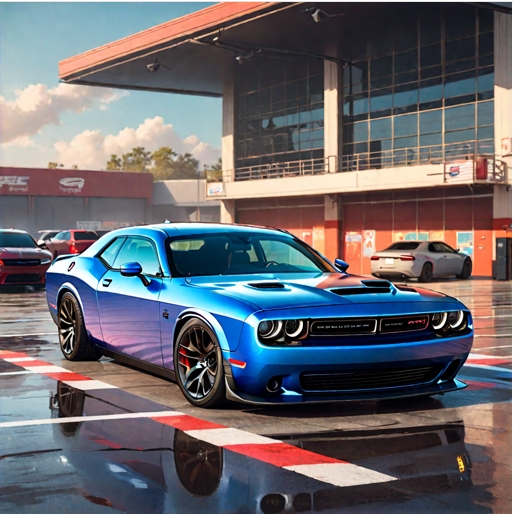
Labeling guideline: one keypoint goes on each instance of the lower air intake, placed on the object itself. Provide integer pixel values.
(25, 278)
(362, 380)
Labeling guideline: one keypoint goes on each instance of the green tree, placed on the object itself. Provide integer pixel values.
(214, 173)
(185, 167)
(163, 163)
(114, 163)
(137, 160)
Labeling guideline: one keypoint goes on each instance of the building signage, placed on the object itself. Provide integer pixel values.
(215, 189)
(14, 183)
(72, 185)
(459, 171)
(369, 243)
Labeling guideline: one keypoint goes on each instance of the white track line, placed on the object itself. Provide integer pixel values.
(89, 385)
(30, 335)
(228, 436)
(492, 335)
(78, 419)
(493, 348)
(16, 373)
(341, 474)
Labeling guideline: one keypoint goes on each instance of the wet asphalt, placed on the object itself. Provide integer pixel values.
(446, 454)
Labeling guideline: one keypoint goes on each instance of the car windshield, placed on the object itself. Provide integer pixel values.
(404, 246)
(16, 240)
(86, 236)
(237, 254)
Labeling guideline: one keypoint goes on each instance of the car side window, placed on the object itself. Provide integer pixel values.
(447, 248)
(439, 248)
(431, 248)
(109, 254)
(66, 236)
(58, 236)
(136, 249)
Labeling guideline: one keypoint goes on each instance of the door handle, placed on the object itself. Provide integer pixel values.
(106, 282)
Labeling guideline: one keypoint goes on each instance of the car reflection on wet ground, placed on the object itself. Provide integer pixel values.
(127, 441)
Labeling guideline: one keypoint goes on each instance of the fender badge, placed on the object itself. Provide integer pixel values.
(71, 266)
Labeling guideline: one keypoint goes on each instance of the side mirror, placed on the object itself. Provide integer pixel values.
(133, 269)
(341, 265)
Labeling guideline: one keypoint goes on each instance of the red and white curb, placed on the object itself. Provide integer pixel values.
(491, 362)
(271, 451)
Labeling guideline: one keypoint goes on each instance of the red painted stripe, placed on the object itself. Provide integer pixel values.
(7, 354)
(187, 423)
(489, 362)
(281, 454)
(62, 375)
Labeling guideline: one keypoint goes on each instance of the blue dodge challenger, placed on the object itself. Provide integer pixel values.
(255, 315)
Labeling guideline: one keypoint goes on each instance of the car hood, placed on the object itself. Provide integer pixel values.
(286, 291)
(23, 253)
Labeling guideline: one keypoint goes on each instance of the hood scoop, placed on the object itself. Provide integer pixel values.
(370, 287)
(267, 285)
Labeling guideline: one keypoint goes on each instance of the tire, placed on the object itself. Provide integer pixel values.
(199, 365)
(427, 272)
(73, 338)
(466, 270)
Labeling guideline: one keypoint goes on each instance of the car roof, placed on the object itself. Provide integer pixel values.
(13, 230)
(191, 228)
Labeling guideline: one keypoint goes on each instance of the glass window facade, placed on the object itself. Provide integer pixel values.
(280, 111)
(421, 88)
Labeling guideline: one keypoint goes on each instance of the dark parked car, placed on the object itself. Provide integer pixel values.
(71, 241)
(21, 261)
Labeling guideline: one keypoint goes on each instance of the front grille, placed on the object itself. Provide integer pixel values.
(21, 262)
(360, 380)
(20, 278)
(343, 327)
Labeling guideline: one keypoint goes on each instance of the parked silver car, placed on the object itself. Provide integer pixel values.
(420, 259)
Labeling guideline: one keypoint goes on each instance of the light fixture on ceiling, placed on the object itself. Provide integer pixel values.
(153, 67)
(320, 15)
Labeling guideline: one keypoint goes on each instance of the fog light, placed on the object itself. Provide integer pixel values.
(274, 384)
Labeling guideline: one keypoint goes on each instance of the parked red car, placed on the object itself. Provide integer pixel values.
(22, 262)
(71, 241)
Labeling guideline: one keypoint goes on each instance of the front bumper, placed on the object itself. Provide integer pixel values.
(263, 363)
(23, 275)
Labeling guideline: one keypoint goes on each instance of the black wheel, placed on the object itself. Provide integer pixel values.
(199, 365)
(466, 271)
(427, 273)
(75, 344)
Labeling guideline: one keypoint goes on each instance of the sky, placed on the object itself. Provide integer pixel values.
(42, 120)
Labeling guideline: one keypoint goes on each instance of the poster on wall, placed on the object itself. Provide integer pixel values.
(411, 236)
(462, 171)
(369, 243)
(465, 242)
(353, 247)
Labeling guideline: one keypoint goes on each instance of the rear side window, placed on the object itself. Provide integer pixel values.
(407, 246)
(110, 253)
(86, 236)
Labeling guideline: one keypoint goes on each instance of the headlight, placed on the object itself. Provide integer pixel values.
(438, 320)
(457, 320)
(294, 327)
(46, 261)
(269, 329)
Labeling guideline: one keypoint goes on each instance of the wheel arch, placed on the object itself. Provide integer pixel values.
(69, 288)
(207, 318)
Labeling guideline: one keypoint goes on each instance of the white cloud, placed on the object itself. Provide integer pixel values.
(91, 149)
(37, 106)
